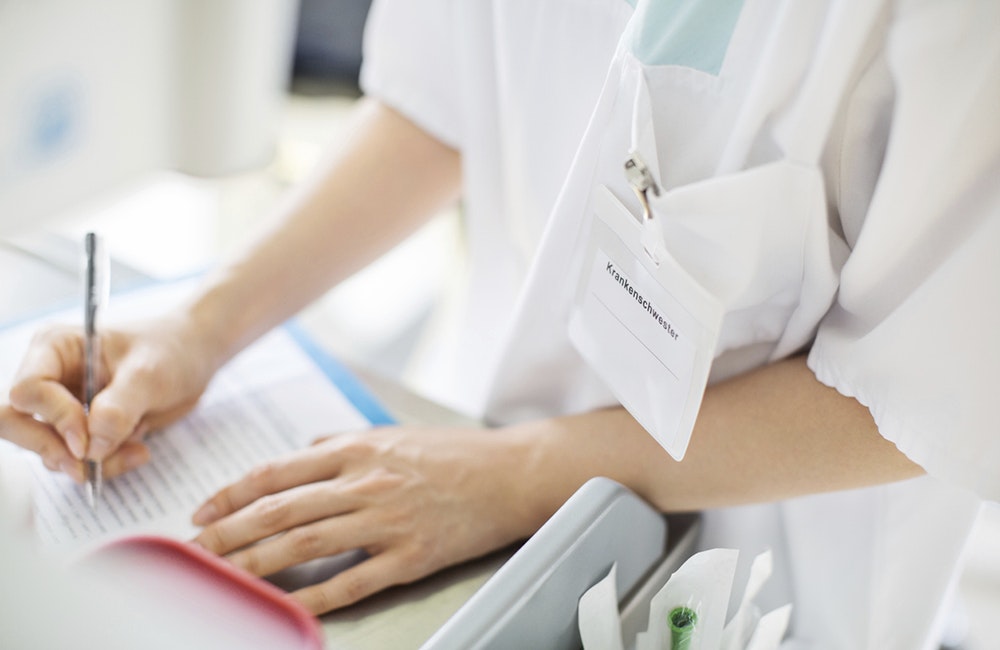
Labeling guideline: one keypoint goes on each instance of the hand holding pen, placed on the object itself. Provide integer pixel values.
(143, 375)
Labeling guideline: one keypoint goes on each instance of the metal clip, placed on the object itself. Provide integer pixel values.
(641, 181)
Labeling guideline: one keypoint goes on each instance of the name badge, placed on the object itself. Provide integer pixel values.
(644, 324)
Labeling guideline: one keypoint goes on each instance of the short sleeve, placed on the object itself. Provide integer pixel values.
(409, 63)
(915, 332)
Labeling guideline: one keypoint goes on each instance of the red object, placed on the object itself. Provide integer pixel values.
(205, 583)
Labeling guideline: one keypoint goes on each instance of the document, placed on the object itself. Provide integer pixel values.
(276, 396)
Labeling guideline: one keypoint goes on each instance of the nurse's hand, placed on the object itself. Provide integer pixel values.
(416, 500)
(152, 374)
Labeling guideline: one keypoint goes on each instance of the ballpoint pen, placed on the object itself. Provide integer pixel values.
(92, 301)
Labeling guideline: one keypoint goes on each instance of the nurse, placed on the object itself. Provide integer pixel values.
(804, 194)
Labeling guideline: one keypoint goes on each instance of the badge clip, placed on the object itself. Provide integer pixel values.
(641, 180)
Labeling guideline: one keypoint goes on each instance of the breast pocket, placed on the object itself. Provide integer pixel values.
(759, 241)
(758, 238)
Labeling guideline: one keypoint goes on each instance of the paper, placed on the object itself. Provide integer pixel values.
(272, 398)
(688, 611)
(599, 622)
(771, 629)
(737, 632)
(702, 583)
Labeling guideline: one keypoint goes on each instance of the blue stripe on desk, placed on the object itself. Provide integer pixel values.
(348, 384)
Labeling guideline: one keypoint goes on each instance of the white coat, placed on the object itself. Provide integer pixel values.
(880, 258)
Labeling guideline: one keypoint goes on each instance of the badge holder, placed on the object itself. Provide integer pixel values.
(640, 320)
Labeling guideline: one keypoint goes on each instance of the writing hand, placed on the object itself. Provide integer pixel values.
(152, 375)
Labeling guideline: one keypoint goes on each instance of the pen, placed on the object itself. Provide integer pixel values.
(92, 301)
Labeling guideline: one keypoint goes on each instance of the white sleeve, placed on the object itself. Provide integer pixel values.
(915, 332)
(409, 63)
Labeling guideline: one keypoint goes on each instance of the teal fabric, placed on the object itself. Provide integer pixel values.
(689, 33)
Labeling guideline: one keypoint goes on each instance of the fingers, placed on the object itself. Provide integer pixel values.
(327, 538)
(360, 581)
(301, 544)
(110, 422)
(118, 410)
(45, 384)
(55, 405)
(304, 466)
(49, 379)
(40, 386)
(273, 514)
(27, 432)
(126, 458)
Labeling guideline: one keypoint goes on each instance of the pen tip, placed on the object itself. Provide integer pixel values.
(95, 480)
(90, 490)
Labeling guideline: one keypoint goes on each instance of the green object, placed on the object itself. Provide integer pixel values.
(682, 623)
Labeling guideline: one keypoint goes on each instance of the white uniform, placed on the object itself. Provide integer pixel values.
(874, 242)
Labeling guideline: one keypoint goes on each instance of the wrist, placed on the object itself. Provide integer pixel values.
(562, 453)
(211, 326)
(547, 470)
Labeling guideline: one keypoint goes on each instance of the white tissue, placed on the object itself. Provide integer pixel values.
(703, 583)
(737, 632)
(771, 629)
(600, 624)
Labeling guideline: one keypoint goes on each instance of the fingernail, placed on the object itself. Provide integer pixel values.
(77, 443)
(206, 514)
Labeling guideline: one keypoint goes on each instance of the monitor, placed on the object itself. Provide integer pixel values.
(93, 93)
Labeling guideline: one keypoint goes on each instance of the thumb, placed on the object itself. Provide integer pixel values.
(115, 413)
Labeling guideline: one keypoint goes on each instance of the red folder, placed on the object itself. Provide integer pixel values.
(212, 592)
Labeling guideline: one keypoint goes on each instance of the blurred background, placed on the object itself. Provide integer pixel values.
(174, 127)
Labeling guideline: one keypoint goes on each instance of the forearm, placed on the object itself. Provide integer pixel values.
(771, 434)
(388, 178)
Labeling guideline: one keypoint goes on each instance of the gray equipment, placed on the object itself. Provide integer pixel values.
(531, 601)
